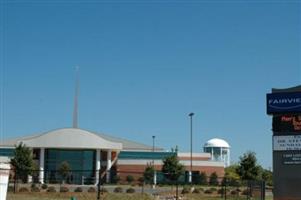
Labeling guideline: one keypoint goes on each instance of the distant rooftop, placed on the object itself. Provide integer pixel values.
(129, 145)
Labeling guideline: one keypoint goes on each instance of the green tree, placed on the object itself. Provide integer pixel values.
(248, 168)
(64, 170)
(267, 176)
(148, 174)
(22, 162)
(231, 176)
(213, 179)
(35, 172)
(171, 168)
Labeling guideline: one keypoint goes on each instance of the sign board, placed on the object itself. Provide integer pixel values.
(285, 106)
(287, 102)
(291, 158)
(287, 142)
(287, 123)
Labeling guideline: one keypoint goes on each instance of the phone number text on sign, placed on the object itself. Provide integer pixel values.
(291, 159)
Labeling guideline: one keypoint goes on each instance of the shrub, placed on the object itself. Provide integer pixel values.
(44, 186)
(116, 179)
(185, 190)
(91, 189)
(118, 190)
(213, 189)
(51, 189)
(245, 192)
(234, 192)
(222, 191)
(197, 190)
(35, 189)
(103, 190)
(78, 189)
(23, 189)
(130, 190)
(208, 191)
(213, 179)
(129, 179)
(141, 179)
(64, 170)
(64, 189)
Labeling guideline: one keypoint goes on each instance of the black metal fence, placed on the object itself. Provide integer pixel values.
(250, 189)
(95, 184)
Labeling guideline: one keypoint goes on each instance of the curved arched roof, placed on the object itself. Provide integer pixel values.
(77, 138)
(216, 142)
(69, 138)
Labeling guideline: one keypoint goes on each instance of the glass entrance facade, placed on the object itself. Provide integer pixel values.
(80, 162)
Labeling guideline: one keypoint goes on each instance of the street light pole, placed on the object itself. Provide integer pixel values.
(154, 143)
(155, 175)
(190, 173)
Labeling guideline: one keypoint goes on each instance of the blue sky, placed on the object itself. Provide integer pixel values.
(145, 65)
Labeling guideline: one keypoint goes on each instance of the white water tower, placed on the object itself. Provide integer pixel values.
(219, 150)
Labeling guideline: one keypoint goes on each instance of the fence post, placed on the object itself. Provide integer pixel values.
(226, 190)
(248, 190)
(15, 180)
(222, 190)
(263, 190)
(177, 190)
(142, 189)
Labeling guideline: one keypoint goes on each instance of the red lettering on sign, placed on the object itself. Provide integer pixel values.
(286, 119)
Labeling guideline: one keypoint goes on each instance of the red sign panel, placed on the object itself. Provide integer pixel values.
(287, 123)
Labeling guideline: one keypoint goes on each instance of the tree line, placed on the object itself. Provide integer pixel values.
(246, 169)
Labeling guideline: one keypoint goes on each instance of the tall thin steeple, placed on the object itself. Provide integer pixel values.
(75, 109)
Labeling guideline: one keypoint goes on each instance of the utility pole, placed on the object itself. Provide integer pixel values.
(190, 173)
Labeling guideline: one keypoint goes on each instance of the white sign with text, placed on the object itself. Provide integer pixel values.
(287, 142)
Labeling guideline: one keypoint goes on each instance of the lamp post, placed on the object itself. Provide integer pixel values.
(155, 175)
(154, 143)
(190, 172)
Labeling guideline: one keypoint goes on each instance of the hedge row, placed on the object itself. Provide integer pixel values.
(64, 189)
